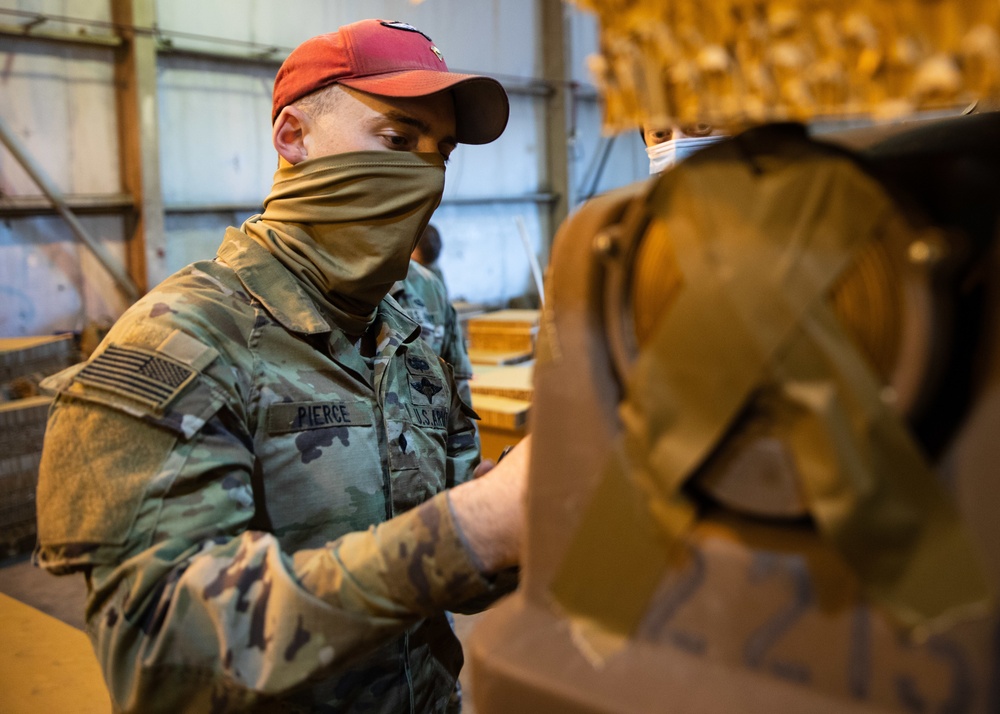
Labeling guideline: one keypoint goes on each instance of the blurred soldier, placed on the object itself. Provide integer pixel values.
(424, 298)
(667, 145)
(253, 468)
(428, 251)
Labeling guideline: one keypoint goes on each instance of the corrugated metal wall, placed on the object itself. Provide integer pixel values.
(206, 115)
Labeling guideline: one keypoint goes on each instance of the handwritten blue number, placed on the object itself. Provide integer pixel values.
(686, 586)
(767, 635)
(961, 696)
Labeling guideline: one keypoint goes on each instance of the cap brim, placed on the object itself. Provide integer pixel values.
(481, 105)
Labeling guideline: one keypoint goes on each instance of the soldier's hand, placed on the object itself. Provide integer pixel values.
(485, 466)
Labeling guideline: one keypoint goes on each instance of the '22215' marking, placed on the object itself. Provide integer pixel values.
(762, 639)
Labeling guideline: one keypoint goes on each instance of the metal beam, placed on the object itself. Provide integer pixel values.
(271, 58)
(135, 78)
(247, 208)
(30, 31)
(39, 176)
(111, 203)
(81, 203)
(556, 140)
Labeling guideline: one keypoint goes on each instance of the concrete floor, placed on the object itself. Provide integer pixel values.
(61, 597)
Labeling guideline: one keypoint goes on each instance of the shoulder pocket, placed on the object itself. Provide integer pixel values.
(116, 422)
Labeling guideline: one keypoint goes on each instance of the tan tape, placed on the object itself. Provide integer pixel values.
(753, 313)
(872, 494)
(625, 520)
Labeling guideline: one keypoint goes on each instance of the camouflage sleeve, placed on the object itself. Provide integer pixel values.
(191, 611)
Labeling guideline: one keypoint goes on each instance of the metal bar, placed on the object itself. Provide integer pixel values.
(48, 188)
(203, 208)
(268, 59)
(11, 206)
(14, 206)
(542, 197)
(605, 145)
(29, 32)
(264, 59)
(585, 93)
(138, 137)
(552, 21)
(261, 55)
(250, 209)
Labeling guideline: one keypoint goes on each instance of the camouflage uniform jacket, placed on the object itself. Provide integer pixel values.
(260, 514)
(424, 298)
(435, 269)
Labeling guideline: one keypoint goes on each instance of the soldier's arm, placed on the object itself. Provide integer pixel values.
(490, 510)
(187, 608)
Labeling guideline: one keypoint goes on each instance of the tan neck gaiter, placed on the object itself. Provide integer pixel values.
(345, 225)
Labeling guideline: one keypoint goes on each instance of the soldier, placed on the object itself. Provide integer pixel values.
(428, 251)
(264, 474)
(667, 144)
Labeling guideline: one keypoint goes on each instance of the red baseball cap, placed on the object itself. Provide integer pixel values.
(391, 59)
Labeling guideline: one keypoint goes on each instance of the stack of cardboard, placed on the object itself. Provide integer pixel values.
(501, 345)
(502, 395)
(24, 361)
(503, 337)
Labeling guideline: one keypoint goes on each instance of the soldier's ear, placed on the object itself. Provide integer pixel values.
(288, 134)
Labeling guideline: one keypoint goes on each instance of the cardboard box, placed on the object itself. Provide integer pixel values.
(513, 382)
(501, 412)
(504, 331)
(25, 361)
(499, 358)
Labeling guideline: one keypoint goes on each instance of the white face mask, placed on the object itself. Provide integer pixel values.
(664, 155)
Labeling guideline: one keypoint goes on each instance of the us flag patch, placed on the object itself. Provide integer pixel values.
(143, 376)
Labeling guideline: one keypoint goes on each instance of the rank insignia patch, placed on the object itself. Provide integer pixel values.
(418, 364)
(140, 375)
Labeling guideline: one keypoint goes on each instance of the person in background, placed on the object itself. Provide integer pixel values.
(668, 144)
(423, 297)
(428, 251)
(263, 473)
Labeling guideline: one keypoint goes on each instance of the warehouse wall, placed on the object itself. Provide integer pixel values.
(44, 93)
(214, 68)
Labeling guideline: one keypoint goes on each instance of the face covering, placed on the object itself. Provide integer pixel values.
(346, 224)
(664, 155)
